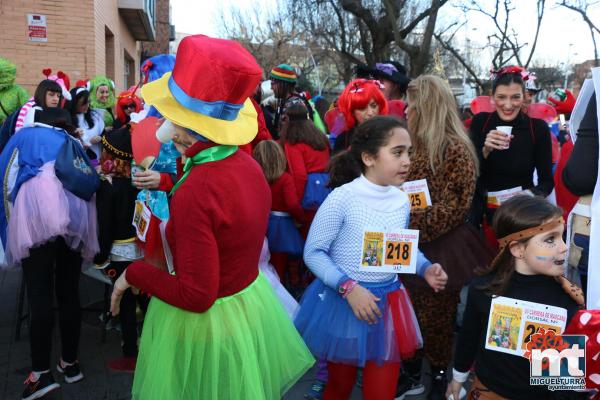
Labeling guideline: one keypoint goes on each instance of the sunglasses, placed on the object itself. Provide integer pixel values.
(127, 106)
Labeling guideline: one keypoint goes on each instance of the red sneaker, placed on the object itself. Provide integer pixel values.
(124, 364)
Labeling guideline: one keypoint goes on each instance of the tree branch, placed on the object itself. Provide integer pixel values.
(541, 5)
(448, 47)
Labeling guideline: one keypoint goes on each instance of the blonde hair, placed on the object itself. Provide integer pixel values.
(435, 123)
(271, 158)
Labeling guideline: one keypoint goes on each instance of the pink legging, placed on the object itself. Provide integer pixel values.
(379, 382)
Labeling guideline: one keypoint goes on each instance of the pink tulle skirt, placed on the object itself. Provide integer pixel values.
(44, 210)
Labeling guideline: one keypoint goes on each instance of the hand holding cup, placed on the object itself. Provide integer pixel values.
(499, 138)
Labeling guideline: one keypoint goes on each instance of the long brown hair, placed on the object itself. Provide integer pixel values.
(517, 214)
(435, 123)
(271, 158)
(299, 128)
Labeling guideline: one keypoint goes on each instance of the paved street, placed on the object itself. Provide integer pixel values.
(99, 383)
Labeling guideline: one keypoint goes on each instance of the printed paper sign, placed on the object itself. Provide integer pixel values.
(394, 252)
(512, 322)
(141, 219)
(497, 198)
(418, 193)
(36, 28)
(166, 248)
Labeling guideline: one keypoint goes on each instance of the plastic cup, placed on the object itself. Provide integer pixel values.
(507, 130)
(165, 132)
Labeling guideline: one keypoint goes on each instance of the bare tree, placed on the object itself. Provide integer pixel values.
(333, 32)
(581, 7)
(504, 42)
(382, 22)
(270, 35)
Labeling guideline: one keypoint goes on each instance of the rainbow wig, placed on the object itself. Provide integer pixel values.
(357, 95)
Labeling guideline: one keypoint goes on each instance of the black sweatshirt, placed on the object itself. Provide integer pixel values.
(505, 374)
(581, 172)
(115, 204)
(530, 149)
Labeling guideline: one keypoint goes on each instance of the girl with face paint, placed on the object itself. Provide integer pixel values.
(529, 267)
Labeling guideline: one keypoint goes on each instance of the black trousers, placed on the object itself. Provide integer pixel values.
(127, 312)
(53, 267)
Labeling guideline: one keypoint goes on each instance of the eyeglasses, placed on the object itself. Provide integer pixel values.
(127, 106)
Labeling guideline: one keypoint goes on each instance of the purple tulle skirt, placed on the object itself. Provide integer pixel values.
(44, 210)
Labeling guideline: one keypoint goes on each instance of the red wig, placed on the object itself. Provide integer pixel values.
(357, 95)
(124, 99)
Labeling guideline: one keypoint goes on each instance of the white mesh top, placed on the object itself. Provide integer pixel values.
(334, 244)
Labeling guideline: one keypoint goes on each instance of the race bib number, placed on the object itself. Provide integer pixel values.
(418, 193)
(394, 252)
(141, 219)
(512, 322)
(497, 198)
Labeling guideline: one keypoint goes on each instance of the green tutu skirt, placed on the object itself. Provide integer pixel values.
(243, 347)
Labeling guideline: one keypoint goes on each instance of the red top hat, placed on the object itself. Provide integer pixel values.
(208, 90)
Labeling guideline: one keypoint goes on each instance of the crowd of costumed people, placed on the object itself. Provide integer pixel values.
(387, 240)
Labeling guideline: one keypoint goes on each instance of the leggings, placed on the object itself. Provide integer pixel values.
(52, 267)
(379, 381)
(128, 309)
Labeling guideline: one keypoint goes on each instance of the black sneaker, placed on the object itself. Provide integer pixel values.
(439, 384)
(44, 385)
(409, 386)
(72, 372)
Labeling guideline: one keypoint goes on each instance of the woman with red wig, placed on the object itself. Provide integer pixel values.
(361, 100)
(127, 103)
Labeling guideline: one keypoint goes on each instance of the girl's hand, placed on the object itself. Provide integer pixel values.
(364, 304)
(121, 285)
(95, 139)
(496, 140)
(454, 389)
(147, 179)
(78, 132)
(436, 277)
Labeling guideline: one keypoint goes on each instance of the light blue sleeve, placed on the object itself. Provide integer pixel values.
(422, 262)
(323, 231)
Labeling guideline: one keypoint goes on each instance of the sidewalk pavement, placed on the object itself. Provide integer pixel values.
(99, 382)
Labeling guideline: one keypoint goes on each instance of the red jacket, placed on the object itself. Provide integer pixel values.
(564, 199)
(303, 160)
(263, 132)
(284, 197)
(215, 238)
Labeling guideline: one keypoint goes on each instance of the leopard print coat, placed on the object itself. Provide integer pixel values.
(451, 187)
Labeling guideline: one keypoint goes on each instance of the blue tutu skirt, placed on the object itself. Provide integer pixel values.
(283, 235)
(332, 332)
(316, 190)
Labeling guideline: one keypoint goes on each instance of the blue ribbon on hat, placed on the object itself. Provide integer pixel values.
(217, 109)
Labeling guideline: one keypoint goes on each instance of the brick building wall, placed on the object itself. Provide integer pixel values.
(76, 32)
(109, 28)
(163, 31)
